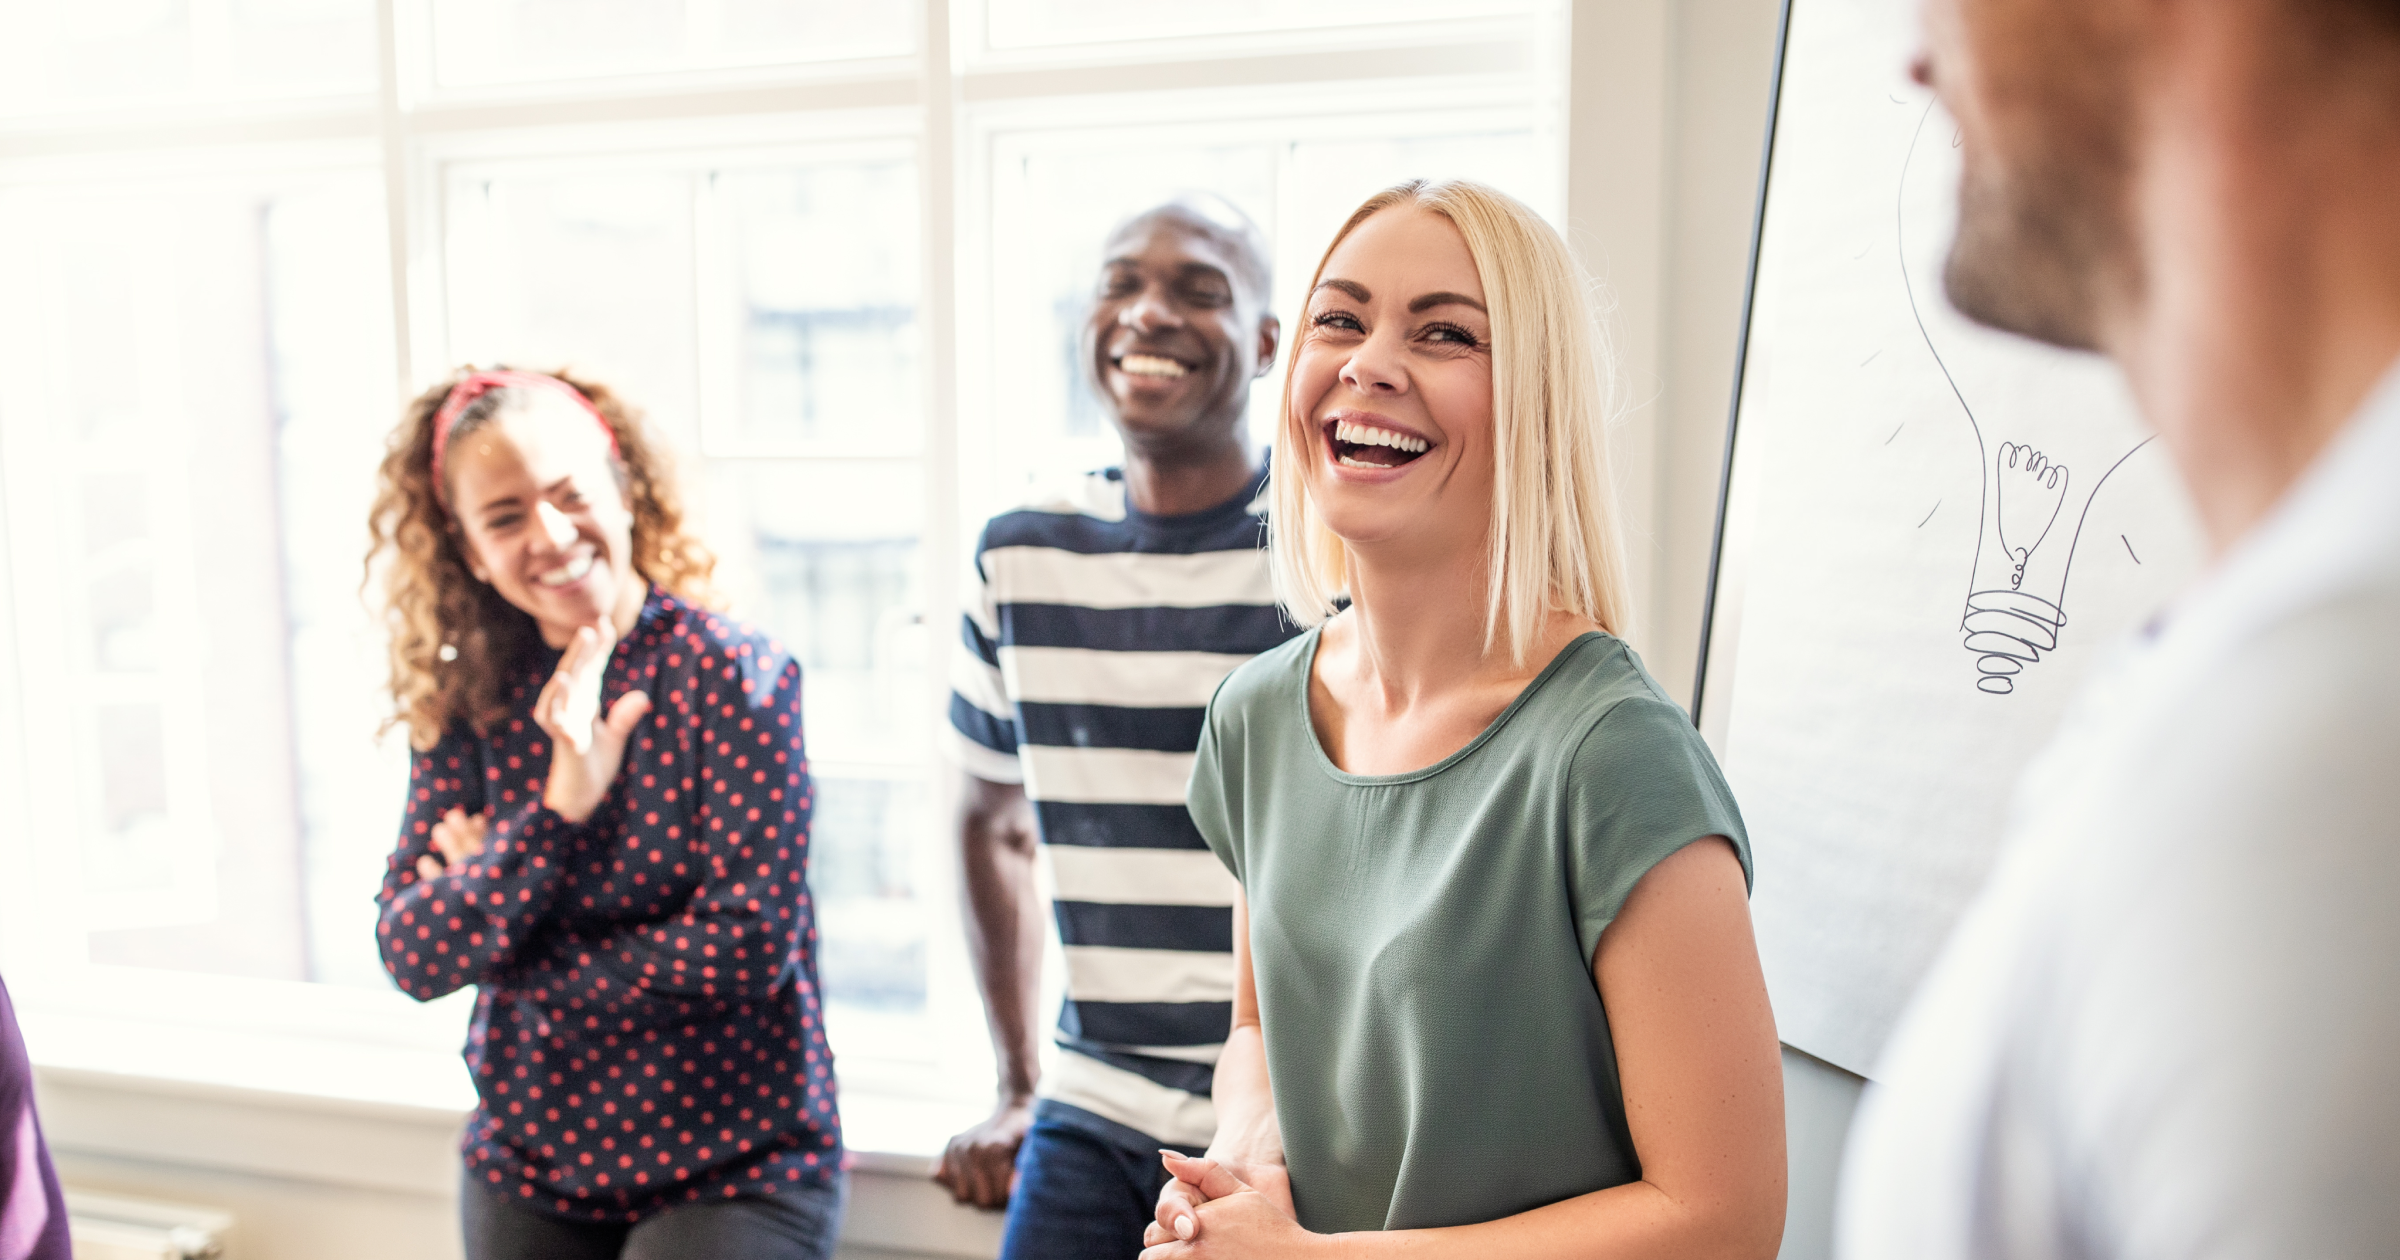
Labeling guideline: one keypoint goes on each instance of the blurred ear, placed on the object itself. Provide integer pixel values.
(1270, 336)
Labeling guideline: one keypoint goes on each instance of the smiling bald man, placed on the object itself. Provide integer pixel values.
(1100, 620)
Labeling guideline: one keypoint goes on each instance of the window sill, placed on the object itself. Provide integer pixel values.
(264, 1098)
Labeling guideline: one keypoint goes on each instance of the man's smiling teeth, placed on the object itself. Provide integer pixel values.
(1150, 365)
(570, 572)
(1367, 435)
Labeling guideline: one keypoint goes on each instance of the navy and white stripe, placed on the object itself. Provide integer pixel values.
(1093, 638)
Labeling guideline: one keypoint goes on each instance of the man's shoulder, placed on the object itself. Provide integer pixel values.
(1084, 512)
(2303, 695)
(2258, 783)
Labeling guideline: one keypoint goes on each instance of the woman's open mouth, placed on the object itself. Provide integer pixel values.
(1357, 444)
(573, 571)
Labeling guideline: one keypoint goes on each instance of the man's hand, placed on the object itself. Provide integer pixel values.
(979, 1167)
(1209, 1210)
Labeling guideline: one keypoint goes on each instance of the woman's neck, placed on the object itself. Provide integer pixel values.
(1418, 626)
(1418, 622)
(629, 606)
(1404, 678)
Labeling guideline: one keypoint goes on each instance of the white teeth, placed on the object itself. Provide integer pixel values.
(1150, 365)
(572, 571)
(1368, 435)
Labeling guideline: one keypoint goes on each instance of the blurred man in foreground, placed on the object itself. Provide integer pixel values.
(2166, 1027)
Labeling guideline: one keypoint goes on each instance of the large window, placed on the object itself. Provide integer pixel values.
(840, 265)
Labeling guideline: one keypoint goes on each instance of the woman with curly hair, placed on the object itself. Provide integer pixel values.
(606, 831)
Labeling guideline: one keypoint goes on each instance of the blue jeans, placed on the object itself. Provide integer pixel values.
(794, 1223)
(1086, 1187)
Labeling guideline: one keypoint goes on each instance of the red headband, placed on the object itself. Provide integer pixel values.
(477, 384)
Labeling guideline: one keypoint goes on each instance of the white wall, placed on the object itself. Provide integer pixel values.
(1817, 1101)
(1667, 114)
(1666, 128)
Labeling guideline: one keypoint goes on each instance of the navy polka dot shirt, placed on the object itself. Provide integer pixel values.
(648, 1029)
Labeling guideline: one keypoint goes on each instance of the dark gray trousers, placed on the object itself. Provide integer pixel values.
(794, 1223)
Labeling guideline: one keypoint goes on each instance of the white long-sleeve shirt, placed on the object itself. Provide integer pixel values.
(2170, 1024)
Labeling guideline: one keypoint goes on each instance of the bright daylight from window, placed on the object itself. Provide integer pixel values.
(234, 234)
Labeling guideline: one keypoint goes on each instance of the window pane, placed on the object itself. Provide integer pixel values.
(304, 45)
(137, 379)
(518, 41)
(585, 270)
(136, 839)
(95, 54)
(1054, 218)
(824, 556)
(828, 334)
(330, 346)
(1328, 178)
(1037, 23)
(871, 927)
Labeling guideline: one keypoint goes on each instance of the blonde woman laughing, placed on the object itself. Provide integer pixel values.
(1496, 990)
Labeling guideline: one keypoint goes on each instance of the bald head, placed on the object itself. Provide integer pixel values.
(1221, 223)
(1179, 327)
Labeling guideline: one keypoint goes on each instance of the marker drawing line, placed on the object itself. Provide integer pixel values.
(1908, 283)
(2066, 577)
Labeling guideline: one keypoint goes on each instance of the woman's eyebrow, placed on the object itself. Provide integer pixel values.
(1431, 300)
(1358, 292)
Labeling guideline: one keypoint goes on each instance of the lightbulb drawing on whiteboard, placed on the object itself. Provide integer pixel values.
(2032, 513)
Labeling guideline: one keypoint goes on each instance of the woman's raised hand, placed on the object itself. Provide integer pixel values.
(588, 748)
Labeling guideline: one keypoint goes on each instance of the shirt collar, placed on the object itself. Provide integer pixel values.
(2337, 528)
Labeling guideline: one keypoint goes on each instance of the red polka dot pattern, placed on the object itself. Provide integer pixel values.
(648, 1030)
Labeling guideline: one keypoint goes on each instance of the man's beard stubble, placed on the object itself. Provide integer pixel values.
(2043, 255)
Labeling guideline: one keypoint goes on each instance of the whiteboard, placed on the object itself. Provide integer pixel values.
(1929, 533)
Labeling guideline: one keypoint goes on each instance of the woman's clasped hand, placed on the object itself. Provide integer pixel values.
(1208, 1210)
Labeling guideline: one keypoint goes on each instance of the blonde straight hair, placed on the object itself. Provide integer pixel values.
(1555, 541)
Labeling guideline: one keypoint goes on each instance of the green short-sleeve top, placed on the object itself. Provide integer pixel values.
(1423, 942)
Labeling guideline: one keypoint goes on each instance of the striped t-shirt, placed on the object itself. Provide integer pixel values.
(1093, 638)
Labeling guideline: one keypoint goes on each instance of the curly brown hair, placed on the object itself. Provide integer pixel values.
(453, 638)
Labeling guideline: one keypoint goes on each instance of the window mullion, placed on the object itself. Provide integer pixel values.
(399, 199)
